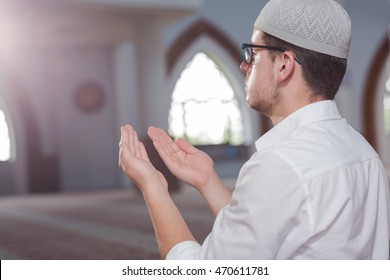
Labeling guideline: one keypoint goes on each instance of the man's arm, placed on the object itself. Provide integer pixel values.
(192, 166)
(168, 223)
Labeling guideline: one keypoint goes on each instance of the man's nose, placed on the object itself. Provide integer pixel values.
(244, 67)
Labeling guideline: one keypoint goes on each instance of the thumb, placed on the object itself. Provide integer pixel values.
(185, 146)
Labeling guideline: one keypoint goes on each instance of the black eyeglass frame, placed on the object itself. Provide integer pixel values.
(272, 48)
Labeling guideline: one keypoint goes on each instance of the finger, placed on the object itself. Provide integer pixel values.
(124, 156)
(165, 156)
(153, 133)
(165, 146)
(166, 141)
(144, 154)
(123, 144)
(185, 146)
(172, 161)
(124, 136)
(131, 141)
(137, 145)
(120, 144)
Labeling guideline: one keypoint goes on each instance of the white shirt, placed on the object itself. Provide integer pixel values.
(314, 189)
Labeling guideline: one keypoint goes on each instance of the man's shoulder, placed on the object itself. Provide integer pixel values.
(320, 147)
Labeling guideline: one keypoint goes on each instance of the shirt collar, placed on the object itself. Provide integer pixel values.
(317, 111)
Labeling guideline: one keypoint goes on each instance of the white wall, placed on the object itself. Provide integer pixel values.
(86, 142)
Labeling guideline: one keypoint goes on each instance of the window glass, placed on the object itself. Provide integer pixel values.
(386, 99)
(204, 109)
(5, 143)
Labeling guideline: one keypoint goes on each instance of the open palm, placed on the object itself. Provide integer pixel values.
(185, 161)
(135, 162)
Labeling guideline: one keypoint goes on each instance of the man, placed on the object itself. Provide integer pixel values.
(314, 189)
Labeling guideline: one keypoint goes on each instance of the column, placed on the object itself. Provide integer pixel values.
(127, 103)
(155, 101)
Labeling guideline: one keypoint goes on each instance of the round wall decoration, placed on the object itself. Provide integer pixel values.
(89, 97)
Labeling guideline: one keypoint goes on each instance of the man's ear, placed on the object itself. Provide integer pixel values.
(286, 66)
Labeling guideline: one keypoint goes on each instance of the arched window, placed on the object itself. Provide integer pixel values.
(376, 103)
(5, 142)
(204, 109)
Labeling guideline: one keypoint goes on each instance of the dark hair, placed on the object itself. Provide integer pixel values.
(323, 73)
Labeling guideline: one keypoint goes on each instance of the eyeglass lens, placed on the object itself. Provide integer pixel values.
(247, 54)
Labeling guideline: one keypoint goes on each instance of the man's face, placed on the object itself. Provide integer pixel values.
(260, 83)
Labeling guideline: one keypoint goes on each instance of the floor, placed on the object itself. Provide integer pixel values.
(107, 225)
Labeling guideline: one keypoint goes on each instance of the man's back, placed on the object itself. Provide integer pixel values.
(345, 187)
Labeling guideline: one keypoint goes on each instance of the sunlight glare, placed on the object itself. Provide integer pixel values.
(5, 143)
(204, 108)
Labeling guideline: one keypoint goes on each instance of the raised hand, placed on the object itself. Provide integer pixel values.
(135, 162)
(192, 166)
(185, 161)
(167, 221)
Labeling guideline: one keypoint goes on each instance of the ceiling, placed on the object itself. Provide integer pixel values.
(26, 23)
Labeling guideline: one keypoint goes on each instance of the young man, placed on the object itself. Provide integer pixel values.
(314, 189)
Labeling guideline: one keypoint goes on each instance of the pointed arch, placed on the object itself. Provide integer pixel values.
(198, 29)
(202, 28)
(32, 171)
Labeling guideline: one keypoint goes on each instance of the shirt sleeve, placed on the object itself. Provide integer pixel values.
(186, 250)
(266, 219)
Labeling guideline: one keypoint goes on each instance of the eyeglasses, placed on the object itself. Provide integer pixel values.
(247, 52)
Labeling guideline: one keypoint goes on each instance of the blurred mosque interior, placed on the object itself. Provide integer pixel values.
(72, 72)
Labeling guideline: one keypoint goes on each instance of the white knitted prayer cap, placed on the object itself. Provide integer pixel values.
(318, 25)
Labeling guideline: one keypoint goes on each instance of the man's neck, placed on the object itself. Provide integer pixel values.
(293, 104)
